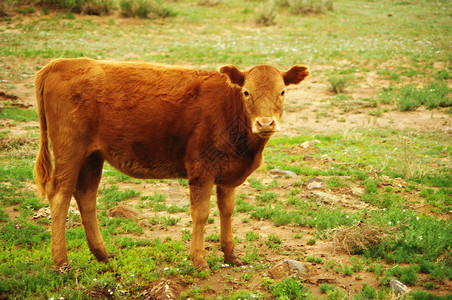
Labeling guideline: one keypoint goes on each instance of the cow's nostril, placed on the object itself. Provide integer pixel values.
(266, 124)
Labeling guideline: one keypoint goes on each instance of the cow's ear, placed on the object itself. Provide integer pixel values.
(296, 74)
(234, 75)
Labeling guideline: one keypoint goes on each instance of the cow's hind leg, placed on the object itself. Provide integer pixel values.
(60, 193)
(226, 203)
(85, 194)
(200, 208)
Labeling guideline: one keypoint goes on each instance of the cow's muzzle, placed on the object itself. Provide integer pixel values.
(265, 126)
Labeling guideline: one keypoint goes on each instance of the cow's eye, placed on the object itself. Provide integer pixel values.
(283, 93)
(246, 93)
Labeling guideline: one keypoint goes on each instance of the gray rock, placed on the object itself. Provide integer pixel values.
(315, 183)
(287, 268)
(398, 287)
(326, 198)
(283, 173)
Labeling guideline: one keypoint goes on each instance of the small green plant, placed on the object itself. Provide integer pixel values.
(290, 288)
(325, 287)
(273, 240)
(347, 270)
(338, 83)
(251, 236)
(367, 292)
(307, 6)
(433, 95)
(145, 9)
(267, 13)
(314, 259)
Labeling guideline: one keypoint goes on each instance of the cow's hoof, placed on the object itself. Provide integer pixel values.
(105, 257)
(233, 260)
(201, 265)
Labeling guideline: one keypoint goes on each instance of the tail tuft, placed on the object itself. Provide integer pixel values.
(43, 165)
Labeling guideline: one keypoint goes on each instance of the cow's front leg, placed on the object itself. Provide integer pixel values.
(226, 203)
(200, 208)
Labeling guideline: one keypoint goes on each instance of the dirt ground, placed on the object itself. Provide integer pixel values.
(306, 111)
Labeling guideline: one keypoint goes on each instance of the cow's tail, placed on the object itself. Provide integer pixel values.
(43, 165)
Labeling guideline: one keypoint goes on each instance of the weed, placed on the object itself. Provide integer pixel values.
(145, 9)
(111, 195)
(325, 287)
(311, 241)
(367, 292)
(347, 270)
(213, 237)
(433, 95)
(307, 6)
(267, 197)
(289, 288)
(273, 241)
(338, 83)
(251, 236)
(314, 259)
(267, 13)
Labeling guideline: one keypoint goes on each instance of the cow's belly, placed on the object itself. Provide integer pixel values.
(154, 166)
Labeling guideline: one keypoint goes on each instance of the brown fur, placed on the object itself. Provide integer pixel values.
(153, 122)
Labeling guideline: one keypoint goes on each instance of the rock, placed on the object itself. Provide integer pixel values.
(315, 183)
(287, 268)
(326, 198)
(398, 287)
(42, 213)
(314, 142)
(165, 289)
(283, 173)
(305, 144)
(144, 223)
(357, 191)
(308, 144)
(124, 211)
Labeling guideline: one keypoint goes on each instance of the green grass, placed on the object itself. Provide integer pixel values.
(433, 95)
(18, 114)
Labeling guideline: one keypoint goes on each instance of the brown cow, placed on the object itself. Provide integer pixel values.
(153, 122)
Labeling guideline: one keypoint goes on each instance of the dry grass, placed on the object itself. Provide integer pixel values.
(19, 145)
(358, 236)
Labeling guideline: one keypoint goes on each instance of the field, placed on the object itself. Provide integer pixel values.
(372, 125)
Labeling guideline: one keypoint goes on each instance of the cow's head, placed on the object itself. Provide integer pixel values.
(263, 91)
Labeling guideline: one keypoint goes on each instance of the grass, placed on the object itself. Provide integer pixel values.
(404, 174)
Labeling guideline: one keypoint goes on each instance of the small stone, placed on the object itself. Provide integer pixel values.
(305, 144)
(124, 211)
(398, 287)
(357, 191)
(144, 223)
(41, 213)
(283, 173)
(287, 268)
(326, 198)
(315, 183)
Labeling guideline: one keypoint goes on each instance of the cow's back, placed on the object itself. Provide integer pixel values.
(139, 116)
